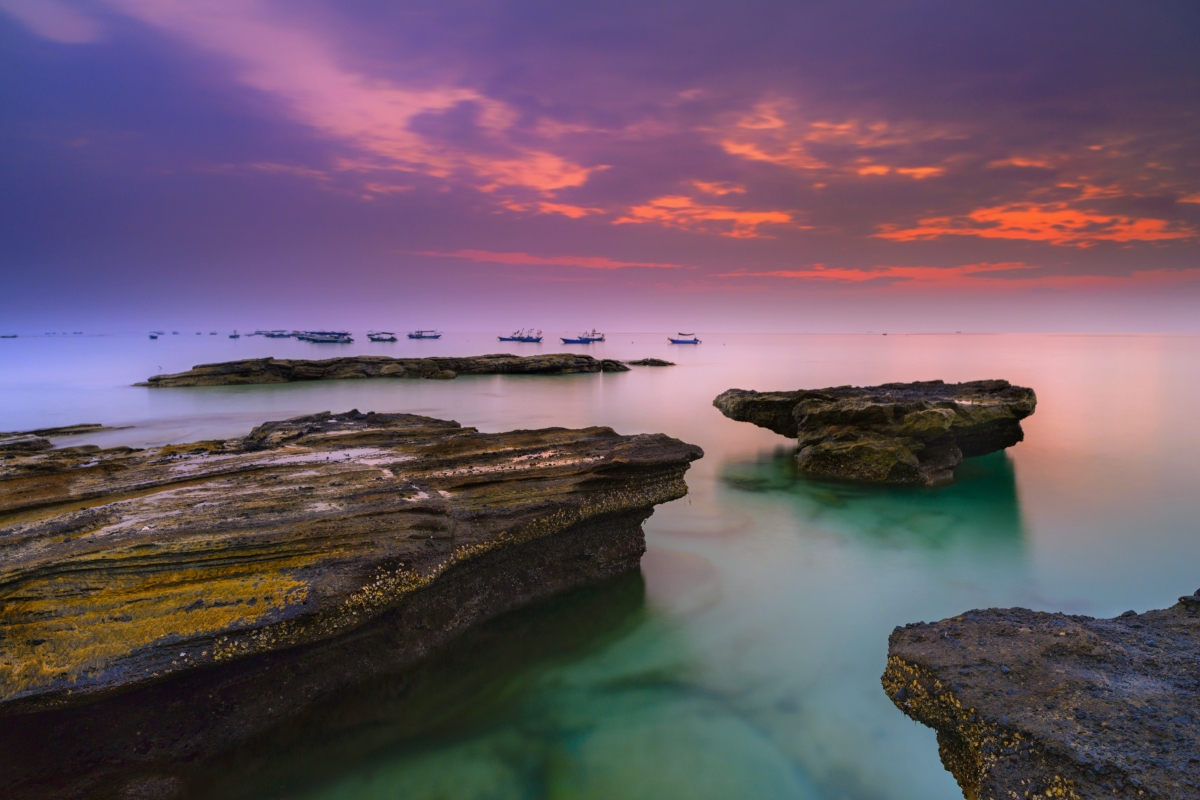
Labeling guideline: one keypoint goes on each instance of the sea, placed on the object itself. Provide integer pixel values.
(743, 660)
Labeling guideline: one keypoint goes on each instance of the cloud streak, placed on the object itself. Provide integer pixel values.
(525, 259)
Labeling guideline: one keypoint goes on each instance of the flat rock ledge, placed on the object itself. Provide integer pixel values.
(915, 433)
(120, 567)
(1035, 705)
(278, 370)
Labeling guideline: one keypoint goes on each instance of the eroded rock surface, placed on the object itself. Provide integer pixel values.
(894, 433)
(1036, 705)
(279, 370)
(121, 566)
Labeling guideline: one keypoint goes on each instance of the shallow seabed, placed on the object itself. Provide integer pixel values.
(744, 660)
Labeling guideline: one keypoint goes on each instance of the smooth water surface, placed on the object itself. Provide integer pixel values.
(744, 661)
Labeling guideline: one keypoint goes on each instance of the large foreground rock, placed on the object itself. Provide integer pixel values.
(279, 370)
(1036, 705)
(121, 566)
(894, 433)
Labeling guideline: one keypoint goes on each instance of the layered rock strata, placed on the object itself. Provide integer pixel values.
(28, 441)
(894, 433)
(279, 370)
(1037, 705)
(121, 566)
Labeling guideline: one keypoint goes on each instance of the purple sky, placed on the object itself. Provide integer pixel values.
(775, 166)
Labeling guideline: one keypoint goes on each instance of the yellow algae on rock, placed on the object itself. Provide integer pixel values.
(126, 566)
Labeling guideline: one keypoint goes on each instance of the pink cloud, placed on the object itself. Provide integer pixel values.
(300, 68)
(525, 259)
(53, 20)
(975, 276)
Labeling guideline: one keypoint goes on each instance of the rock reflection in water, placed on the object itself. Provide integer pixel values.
(585, 696)
(980, 509)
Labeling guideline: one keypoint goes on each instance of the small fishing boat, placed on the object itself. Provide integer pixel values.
(158, 333)
(692, 340)
(212, 333)
(587, 337)
(174, 333)
(686, 335)
(424, 335)
(278, 334)
(77, 333)
(8, 336)
(522, 335)
(154, 336)
(235, 335)
(381, 336)
(325, 337)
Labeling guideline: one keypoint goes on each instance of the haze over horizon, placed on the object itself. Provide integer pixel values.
(765, 166)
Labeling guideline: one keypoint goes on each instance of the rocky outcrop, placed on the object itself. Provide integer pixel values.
(1036, 705)
(278, 370)
(30, 441)
(121, 566)
(894, 433)
(652, 362)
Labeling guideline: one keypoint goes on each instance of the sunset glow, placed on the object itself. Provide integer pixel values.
(158, 150)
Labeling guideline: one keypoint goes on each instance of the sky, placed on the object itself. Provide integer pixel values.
(760, 165)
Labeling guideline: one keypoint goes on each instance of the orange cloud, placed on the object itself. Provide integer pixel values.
(1191, 198)
(677, 211)
(543, 207)
(1053, 223)
(525, 259)
(1021, 161)
(976, 276)
(719, 187)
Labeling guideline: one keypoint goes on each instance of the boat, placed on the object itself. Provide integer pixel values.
(687, 335)
(278, 334)
(381, 336)
(8, 336)
(212, 333)
(692, 340)
(522, 335)
(424, 335)
(158, 333)
(174, 333)
(77, 333)
(154, 336)
(585, 338)
(324, 337)
(235, 335)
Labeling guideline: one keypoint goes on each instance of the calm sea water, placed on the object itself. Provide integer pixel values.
(744, 660)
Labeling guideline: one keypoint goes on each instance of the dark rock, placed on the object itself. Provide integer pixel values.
(652, 362)
(299, 533)
(1096, 706)
(273, 370)
(894, 433)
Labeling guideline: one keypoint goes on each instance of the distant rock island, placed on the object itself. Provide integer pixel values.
(125, 566)
(914, 433)
(278, 370)
(1035, 705)
(652, 362)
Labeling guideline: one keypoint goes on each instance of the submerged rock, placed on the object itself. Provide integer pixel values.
(28, 441)
(121, 566)
(894, 433)
(1036, 705)
(279, 370)
(652, 362)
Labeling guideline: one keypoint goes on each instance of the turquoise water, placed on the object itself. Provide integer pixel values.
(744, 660)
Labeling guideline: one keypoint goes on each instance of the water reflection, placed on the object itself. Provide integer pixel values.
(980, 509)
(587, 695)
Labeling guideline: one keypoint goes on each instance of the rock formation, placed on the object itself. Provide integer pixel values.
(652, 362)
(28, 441)
(1036, 705)
(278, 370)
(894, 433)
(122, 566)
